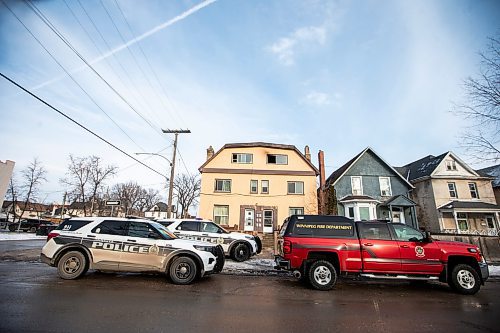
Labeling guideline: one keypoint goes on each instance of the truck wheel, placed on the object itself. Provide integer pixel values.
(183, 270)
(322, 275)
(72, 265)
(465, 280)
(241, 252)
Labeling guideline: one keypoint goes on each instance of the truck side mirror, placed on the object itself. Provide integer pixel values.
(427, 237)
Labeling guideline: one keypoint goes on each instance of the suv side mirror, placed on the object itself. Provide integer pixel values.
(427, 237)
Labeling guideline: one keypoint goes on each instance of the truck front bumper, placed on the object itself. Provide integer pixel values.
(281, 263)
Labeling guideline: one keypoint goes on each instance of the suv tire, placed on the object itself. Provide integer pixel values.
(322, 275)
(72, 265)
(183, 270)
(465, 279)
(241, 252)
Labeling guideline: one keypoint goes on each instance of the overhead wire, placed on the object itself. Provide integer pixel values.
(71, 77)
(79, 124)
(145, 101)
(139, 66)
(132, 32)
(52, 27)
(89, 36)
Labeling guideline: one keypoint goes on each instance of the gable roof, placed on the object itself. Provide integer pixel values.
(260, 144)
(337, 174)
(492, 171)
(426, 166)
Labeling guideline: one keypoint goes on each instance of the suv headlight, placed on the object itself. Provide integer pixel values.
(203, 248)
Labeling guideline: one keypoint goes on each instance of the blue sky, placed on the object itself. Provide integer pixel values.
(335, 75)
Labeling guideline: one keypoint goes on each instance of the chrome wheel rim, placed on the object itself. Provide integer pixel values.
(322, 275)
(466, 279)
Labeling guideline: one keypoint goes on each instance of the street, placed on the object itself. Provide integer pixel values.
(34, 299)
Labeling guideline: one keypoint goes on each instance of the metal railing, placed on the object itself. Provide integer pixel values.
(488, 232)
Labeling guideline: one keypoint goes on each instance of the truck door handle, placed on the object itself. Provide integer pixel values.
(131, 240)
(405, 246)
(368, 244)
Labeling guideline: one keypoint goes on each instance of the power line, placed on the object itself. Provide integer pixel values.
(72, 78)
(151, 67)
(61, 36)
(77, 123)
(132, 82)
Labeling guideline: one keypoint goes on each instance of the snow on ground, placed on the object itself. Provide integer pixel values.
(7, 235)
(494, 270)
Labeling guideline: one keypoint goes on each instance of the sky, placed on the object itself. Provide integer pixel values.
(338, 76)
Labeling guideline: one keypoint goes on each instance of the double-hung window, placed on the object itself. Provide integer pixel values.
(295, 188)
(385, 186)
(473, 191)
(296, 211)
(221, 214)
(223, 185)
(264, 186)
(254, 185)
(356, 185)
(452, 189)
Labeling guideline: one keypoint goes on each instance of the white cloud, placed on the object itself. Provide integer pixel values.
(286, 47)
(317, 98)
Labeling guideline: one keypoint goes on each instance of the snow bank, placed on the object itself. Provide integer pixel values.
(7, 235)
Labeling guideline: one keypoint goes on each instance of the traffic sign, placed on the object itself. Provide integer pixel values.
(113, 202)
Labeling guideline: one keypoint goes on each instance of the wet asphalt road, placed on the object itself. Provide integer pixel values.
(34, 299)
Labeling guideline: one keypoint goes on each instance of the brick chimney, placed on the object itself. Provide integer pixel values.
(307, 153)
(210, 152)
(322, 189)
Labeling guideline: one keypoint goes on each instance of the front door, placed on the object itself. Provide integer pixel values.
(380, 253)
(417, 256)
(249, 219)
(398, 215)
(268, 221)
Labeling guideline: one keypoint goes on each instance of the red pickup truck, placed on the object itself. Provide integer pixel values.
(320, 248)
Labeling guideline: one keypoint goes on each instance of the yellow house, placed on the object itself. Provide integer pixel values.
(255, 186)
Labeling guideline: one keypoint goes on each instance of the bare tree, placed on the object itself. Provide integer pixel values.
(148, 198)
(481, 139)
(77, 177)
(187, 190)
(32, 178)
(12, 194)
(98, 175)
(129, 195)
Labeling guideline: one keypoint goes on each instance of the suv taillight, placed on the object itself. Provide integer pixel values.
(287, 247)
(52, 235)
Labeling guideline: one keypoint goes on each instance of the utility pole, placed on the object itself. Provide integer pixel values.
(172, 169)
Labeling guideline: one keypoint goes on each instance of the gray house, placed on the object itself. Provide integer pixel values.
(368, 188)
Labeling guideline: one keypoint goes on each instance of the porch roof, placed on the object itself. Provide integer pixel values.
(351, 198)
(399, 200)
(475, 205)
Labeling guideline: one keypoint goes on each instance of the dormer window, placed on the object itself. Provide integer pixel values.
(451, 165)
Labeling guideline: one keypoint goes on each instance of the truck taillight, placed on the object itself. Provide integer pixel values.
(287, 247)
(52, 235)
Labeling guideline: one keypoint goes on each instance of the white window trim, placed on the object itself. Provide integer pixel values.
(240, 154)
(221, 215)
(360, 184)
(380, 185)
(372, 210)
(295, 193)
(454, 190)
(223, 180)
(261, 186)
(295, 208)
(475, 190)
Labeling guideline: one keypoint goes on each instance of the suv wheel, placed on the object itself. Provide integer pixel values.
(183, 270)
(72, 265)
(322, 275)
(32, 229)
(241, 252)
(465, 280)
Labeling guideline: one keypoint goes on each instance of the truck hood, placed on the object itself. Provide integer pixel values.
(448, 245)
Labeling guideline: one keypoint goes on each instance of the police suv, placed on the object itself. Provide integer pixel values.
(236, 245)
(127, 245)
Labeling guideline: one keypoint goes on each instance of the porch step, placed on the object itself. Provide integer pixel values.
(267, 240)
